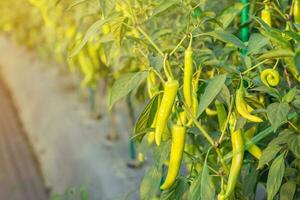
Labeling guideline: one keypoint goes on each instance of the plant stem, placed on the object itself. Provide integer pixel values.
(227, 121)
(177, 46)
(253, 67)
(209, 139)
(151, 41)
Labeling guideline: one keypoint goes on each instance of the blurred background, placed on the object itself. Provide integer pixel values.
(59, 139)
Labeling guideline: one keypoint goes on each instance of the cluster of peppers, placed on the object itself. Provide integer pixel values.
(239, 137)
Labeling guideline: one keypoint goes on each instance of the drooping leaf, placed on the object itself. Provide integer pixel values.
(275, 176)
(256, 42)
(294, 145)
(289, 97)
(125, 84)
(150, 184)
(118, 28)
(93, 29)
(211, 91)
(164, 6)
(288, 190)
(202, 187)
(268, 154)
(146, 118)
(277, 113)
(276, 53)
(177, 190)
(229, 14)
(227, 38)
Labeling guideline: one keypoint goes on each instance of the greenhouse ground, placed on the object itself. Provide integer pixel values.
(70, 146)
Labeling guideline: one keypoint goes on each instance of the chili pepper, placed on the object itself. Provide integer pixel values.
(177, 147)
(152, 86)
(241, 106)
(86, 68)
(266, 15)
(296, 11)
(253, 149)
(165, 108)
(221, 113)
(210, 112)
(237, 159)
(187, 76)
(195, 104)
(270, 77)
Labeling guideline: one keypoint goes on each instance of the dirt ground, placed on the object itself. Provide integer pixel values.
(20, 177)
(70, 146)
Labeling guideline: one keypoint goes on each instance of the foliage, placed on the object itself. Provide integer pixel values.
(127, 40)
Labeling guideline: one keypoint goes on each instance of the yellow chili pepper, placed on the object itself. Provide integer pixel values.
(177, 147)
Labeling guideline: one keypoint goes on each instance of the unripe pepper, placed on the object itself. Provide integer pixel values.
(177, 147)
(165, 108)
(253, 149)
(237, 159)
(187, 76)
(221, 113)
(266, 15)
(241, 106)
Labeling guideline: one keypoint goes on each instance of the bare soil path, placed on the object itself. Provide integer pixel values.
(20, 177)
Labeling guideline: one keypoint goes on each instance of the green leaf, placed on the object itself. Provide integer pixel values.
(229, 14)
(288, 190)
(276, 53)
(256, 43)
(125, 84)
(249, 182)
(275, 176)
(203, 187)
(294, 145)
(150, 183)
(83, 194)
(293, 35)
(93, 29)
(211, 91)
(224, 96)
(164, 6)
(297, 60)
(226, 37)
(289, 97)
(118, 28)
(155, 61)
(177, 190)
(268, 154)
(146, 118)
(277, 113)
(75, 3)
(161, 154)
(282, 138)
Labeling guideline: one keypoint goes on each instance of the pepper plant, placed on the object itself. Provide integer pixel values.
(220, 82)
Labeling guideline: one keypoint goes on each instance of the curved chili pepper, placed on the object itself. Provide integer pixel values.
(177, 147)
(241, 106)
(270, 77)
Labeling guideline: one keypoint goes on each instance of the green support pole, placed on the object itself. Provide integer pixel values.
(244, 20)
(131, 120)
